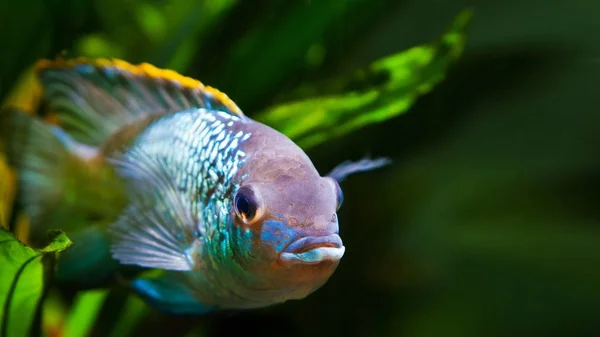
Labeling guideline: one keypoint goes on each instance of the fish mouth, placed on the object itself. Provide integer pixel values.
(314, 250)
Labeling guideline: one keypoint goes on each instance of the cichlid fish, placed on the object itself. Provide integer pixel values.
(149, 169)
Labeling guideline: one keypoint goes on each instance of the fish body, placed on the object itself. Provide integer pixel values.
(150, 170)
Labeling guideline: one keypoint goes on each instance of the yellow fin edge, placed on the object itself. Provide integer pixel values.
(26, 95)
(142, 69)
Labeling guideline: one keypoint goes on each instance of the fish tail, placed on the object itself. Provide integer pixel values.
(57, 185)
(25, 97)
(40, 158)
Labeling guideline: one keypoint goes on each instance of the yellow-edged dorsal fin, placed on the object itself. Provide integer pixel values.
(91, 98)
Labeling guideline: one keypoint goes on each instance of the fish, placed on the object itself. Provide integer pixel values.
(165, 185)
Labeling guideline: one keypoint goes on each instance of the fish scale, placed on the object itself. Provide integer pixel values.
(201, 135)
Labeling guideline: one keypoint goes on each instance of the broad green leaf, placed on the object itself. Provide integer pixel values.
(406, 75)
(23, 272)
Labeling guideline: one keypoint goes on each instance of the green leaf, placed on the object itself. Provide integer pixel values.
(406, 76)
(84, 312)
(23, 272)
(275, 59)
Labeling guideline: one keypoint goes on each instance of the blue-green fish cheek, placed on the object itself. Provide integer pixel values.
(276, 234)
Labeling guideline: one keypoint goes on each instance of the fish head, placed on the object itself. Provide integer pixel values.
(290, 225)
(285, 231)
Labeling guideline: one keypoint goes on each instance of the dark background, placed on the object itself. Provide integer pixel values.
(487, 223)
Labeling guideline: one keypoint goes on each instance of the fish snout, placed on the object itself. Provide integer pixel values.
(314, 250)
(315, 226)
(317, 240)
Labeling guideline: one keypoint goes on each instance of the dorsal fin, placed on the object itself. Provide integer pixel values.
(91, 99)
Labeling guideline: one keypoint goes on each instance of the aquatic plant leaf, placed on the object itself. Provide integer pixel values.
(406, 76)
(255, 66)
(23, 275)
(84, 312)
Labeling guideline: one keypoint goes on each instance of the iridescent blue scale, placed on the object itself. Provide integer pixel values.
(207, 159)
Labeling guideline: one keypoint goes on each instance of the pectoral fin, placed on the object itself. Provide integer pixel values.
(157, 230)
(62, 182)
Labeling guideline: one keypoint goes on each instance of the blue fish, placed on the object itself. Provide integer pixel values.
(163, 183)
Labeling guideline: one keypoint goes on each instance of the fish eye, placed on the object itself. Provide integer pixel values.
(247, 205)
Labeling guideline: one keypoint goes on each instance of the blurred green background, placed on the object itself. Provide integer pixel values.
(487, 223)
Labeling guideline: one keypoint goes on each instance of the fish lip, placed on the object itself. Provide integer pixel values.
(310, 242)
(314, 249)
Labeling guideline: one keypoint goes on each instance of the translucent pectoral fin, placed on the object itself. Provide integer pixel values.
(157, 230)
(61, 182)
(167, 293)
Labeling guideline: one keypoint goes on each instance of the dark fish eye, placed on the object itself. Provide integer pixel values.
(243, 206)
(247, 205)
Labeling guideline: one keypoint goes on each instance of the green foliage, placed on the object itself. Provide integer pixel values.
(84, 312)
(280, 45)
(485, 225)
(162, 33)
(25, 272)
(402, 79)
